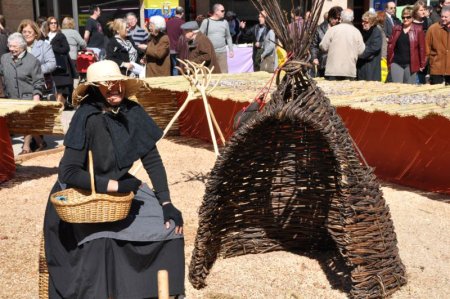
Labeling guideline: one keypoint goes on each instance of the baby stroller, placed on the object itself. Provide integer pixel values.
(84, 59)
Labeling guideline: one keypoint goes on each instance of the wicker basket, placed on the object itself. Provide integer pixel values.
(79, 206)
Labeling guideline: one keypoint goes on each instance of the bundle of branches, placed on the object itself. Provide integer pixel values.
(290, 179)
(296, 41)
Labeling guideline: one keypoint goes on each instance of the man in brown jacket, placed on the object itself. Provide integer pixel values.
(200, 48)
(438, 49)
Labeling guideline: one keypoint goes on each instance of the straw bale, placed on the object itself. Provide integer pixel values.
(393, 98)
(10, 106)
(162, 101)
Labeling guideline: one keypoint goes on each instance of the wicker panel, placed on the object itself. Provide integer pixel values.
(290, 180)
(161, 105)
(43, 271)
(44, 120)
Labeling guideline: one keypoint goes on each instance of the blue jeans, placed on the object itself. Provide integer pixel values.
(173, 64)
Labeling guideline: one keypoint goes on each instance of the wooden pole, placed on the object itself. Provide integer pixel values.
(208, 117)
(199, 78)
(189, 98)
(216, 124)
(163, 284)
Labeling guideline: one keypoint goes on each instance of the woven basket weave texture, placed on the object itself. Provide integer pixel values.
(290, 179)
(81, 206)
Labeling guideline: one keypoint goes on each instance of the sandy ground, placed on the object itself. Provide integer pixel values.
(421, 221)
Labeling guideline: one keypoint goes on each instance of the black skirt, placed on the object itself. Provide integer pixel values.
(104, 268)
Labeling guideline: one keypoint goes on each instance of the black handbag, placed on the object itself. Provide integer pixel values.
(61, 64)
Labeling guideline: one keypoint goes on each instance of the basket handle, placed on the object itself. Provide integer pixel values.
(91, 172)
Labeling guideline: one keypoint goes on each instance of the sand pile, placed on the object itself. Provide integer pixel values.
(421, 221)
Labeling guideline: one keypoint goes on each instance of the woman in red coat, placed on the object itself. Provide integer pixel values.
(406, 50)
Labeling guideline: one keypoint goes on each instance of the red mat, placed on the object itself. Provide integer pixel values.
(7, 164)
(404, 150)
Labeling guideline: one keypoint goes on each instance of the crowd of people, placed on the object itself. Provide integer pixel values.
(412, 50)
(40, 59)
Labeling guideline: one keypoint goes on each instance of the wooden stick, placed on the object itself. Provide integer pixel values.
(216, 124)
(199, 77)
(163, 284)
(190, 97)
(208, 117)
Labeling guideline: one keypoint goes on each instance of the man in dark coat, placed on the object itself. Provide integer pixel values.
(390, 20)
(257, 35)
(200, 48)
(436, 13)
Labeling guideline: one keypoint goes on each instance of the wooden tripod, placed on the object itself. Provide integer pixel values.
(199, 77)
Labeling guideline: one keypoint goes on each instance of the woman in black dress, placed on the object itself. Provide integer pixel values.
(118, 259)
(369, 62)
(64, 73)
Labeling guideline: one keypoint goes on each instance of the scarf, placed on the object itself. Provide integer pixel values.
(133, 132)
(132, 52)
(366, 34)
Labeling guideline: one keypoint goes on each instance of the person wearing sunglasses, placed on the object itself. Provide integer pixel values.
(114, 259)
(217, 30)
(406, 50)
(64, 73)
(44, 54)
(390, 19)
(369, 62)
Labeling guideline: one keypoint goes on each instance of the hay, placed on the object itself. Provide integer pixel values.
(161, 102)
(421, 221)
(29, 117)
(393, 98)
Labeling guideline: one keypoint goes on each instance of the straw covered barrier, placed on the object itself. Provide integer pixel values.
(291, 179)
(29, 117)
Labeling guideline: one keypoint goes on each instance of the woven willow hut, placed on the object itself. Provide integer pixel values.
(290, 179)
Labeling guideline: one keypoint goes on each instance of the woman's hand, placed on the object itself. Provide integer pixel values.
(113, 185)
(142, 46)
(127, 185)
(128, 65)
(170, 212)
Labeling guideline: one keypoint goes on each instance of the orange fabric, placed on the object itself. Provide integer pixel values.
(193, 120)
(7, 164)
(404, 150)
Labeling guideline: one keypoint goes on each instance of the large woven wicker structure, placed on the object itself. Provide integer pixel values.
(290, 179)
